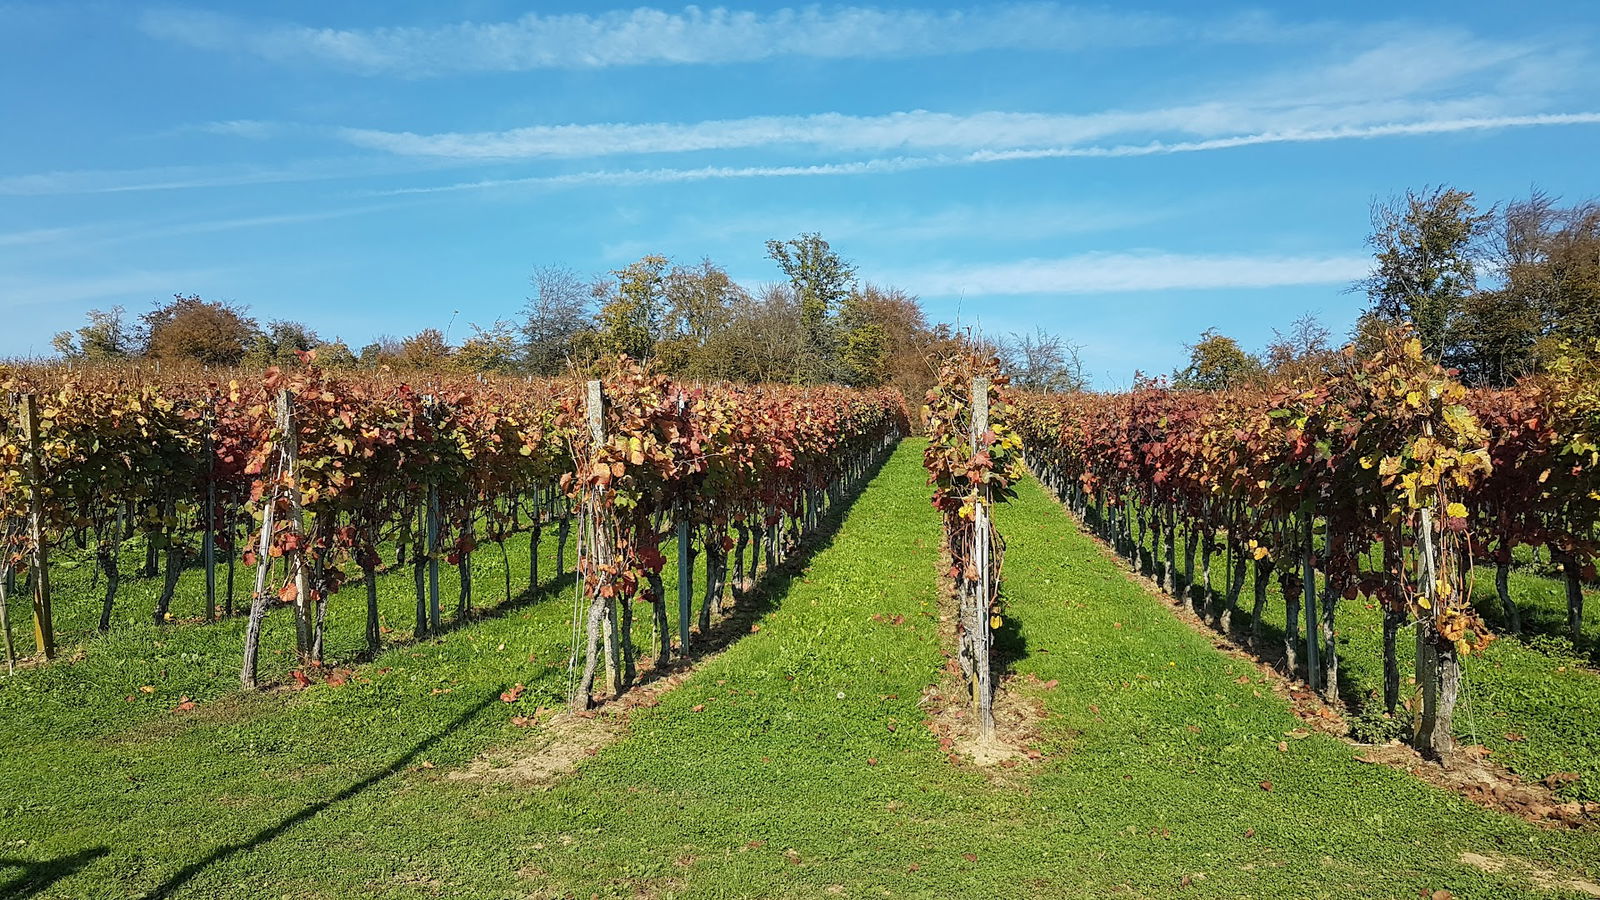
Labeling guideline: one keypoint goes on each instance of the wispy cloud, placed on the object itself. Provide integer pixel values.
(36, 236)
(1441, 77)
(668, 175)
(168, 178)
(1104, 273)
(136, 285)
(914, 131)
(648, 36)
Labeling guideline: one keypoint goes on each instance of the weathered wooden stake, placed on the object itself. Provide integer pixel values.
(685, 583)
(983, 638)
(44, 631)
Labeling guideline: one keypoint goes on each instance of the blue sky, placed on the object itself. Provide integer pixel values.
(1126, 176)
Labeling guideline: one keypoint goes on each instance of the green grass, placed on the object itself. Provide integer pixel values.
(1533, 701)
(769, 790)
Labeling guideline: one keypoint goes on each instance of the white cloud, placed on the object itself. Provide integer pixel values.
(1105, 273)
(647, 36)
(133, 286)
(35, 236)
(629, 177)
(919, 131)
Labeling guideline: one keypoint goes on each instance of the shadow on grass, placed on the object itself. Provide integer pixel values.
(40, 874)
(1544, 625)
(187, 873)
(527, 597)
(750, 605)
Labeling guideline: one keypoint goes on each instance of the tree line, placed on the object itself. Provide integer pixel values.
(1495, 294)
(820, 324)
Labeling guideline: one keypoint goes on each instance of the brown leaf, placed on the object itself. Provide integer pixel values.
(1266, 785)
(698, 707)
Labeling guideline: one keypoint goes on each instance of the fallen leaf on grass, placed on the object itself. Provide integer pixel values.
(1283, 746)
(970, 857)
(512, 695)
(184, 705)
(698, 707)
(1266, 785)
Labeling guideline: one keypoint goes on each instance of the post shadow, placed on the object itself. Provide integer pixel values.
(40, 874)
(187, 873)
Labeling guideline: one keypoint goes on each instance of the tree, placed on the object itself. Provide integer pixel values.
(699, 302)
(492, 349)
(427, 349)
(280, 344)
(189, 328)
(908, 344)
(863, 343)
(106, 337)
(633, 310)
(1215, 362)
(821, 280)
(1043, 362)
(335, 355)
(556, 314)
(1427, 247)
(1303, 350)
(762, 341)
(385, 351)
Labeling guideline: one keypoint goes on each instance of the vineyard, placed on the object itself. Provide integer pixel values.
(1388, 480)
(494, 636)
(304, 478)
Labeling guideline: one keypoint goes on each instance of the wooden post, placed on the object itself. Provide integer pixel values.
(1438, 670)
(593, 535)
(434, 616)
(595, 413)
(5, 619)
(982, 638)
(1309, 588)
(685, 582)
(209, 548)
(44, 631)
(258, 600)
(290, 445)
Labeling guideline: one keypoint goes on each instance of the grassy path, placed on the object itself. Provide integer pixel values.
(794, 764)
